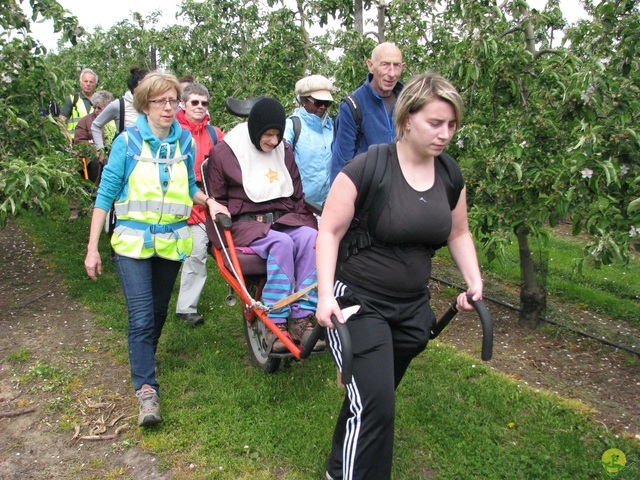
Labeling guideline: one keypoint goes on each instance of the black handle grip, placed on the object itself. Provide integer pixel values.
(485, 320)
(444, 321)
(307, 348)
(224, 221)
(347, 352)
(487, 329)
(345, 343)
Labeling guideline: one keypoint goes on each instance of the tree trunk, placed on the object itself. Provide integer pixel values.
(305, 33)
(533, 293)
(382, 11)
(358, 17)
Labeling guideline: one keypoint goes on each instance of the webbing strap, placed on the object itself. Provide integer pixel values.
(152, 229)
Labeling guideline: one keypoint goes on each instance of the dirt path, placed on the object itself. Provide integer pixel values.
(50, 344)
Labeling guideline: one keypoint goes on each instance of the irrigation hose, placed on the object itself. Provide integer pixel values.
(544, 319)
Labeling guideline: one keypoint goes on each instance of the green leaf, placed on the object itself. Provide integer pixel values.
(633, 206)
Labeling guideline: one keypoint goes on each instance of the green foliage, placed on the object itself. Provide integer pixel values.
(550, 130)
(110, 54)
(34, 156)
(605, 173)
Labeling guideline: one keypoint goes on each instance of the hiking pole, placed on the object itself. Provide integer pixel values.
(485, 320)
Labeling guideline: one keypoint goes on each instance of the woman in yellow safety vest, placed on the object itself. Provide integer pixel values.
(150, 182)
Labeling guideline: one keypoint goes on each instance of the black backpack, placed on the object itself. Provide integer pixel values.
(374, 194)
(356, 111)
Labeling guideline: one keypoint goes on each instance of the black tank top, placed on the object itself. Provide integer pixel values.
(398, 264)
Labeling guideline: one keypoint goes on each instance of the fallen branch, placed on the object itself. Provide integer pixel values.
(16, 413)
(89, 404)
(115, 420)
(99, 437)
(121, 428)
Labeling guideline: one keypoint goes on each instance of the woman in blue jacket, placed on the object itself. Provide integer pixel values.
(312, 141)
(150, 181)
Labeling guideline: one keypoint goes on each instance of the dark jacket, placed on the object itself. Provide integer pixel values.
(377, 125)
(83, 129)
(224, 183)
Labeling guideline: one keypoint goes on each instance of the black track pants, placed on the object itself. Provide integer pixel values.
(386, 335)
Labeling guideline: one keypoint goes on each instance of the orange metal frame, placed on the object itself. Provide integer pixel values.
(237, 285)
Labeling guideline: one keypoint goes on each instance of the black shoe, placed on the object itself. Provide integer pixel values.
(191, 318)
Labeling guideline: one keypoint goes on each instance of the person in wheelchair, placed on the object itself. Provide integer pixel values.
(253, 178)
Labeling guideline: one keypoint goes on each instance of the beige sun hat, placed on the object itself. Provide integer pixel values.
(315, 86)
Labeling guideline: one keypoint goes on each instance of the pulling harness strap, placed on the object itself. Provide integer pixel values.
(177, 209)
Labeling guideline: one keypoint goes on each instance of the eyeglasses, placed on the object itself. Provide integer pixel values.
(195, 103)
(161, 102)
(320, 103)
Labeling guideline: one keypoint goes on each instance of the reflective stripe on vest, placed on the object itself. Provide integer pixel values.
(154, 206)
(78, 111)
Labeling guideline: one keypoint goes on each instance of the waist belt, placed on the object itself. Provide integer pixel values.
(150, 229)
(269, 217)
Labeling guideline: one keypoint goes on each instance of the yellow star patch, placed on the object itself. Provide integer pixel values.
(272, 176)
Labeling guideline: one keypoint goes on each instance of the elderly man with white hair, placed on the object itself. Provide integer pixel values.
(79, 104)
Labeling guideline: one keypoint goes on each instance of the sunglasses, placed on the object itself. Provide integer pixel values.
(320, 103)
(195, 103)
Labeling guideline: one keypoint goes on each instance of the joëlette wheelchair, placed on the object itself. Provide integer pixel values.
(246, 277)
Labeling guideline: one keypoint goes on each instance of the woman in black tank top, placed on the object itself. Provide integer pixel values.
(386, 281)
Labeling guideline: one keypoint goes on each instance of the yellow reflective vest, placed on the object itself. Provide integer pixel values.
(78, 111)
(153, 208)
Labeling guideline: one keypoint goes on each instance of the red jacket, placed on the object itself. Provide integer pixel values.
(203, 145)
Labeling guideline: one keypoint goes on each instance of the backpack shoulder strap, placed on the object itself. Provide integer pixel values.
(356, 111)
(375, 185)
(122, 108)
(373, 194)
(212, 134)
(133, 142)
(373, 170)
(185, 139)
(297, 127)
(454, 182)
(382, 182)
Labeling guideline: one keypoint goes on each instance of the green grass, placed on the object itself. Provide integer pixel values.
(455, 418)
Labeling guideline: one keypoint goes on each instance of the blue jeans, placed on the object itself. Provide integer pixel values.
(147, 285)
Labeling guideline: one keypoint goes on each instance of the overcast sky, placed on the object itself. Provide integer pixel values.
(91, 14)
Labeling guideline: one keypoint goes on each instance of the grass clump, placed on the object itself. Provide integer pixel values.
(21, 355)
